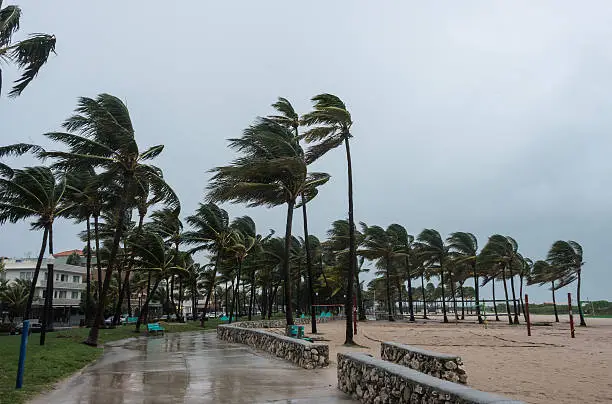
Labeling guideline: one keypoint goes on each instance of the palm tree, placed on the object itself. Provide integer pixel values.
(34, 193)
(331, 124)
(500, 257)
(464, 250)
(101, 135)
(435, 253)
(14, 296)
(28, 55)
(245, 238)
(154, 256)
(385, 246)
(271, 171)
(543, 273)
(567, 256)
(212, 232)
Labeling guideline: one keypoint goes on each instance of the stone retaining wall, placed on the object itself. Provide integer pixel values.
(374, 381)
(303, 353)
(442, 366)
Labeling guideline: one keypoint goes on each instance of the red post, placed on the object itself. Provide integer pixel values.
(527, 315)
(354, 314)
(571, 315)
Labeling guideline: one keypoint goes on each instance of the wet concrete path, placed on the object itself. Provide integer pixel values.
(192, 368)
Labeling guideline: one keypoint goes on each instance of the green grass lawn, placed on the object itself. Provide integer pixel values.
(63, 354)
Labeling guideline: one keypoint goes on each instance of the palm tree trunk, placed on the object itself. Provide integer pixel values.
(352, 249)
(410, 301)
(516, 319)
(494, 302)
(41, 255)
(582, 322)
(92, 339)
(401, 303)
(88, 305)
(298, 294)
(180, 316)
(454, 294)
(236, 292)
(506, 293)
(98, 260)
(477, 295)
(311, 293)
(443, 293)
(522, 308)
(145, 309)
(212, 286)
(424, 299)
(47, 323)
(388, 284)
(462, 302)
(252, 299)
(286, 272)
(554, 302)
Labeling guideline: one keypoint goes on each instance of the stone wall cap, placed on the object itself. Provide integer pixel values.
(314, 345)
(459, 390)
(420, 350)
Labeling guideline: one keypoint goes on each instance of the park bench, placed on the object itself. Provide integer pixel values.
(131, 320)
(155, 328)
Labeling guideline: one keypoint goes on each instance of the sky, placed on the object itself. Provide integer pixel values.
(479, 116)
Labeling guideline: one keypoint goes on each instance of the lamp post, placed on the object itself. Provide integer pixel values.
(47, 320)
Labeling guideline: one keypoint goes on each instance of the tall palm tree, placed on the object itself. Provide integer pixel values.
(245, 238)
(271, 171)
(331, 127)
(83, 191)
(567, 256)
(385, 246)
(34, 193)
(543, 273)
(101, 134)
(211, 232)
(435, 253)
(28, 55)
(500, 257)
(464, 249)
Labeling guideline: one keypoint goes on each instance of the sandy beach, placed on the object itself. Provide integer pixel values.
(548, 367)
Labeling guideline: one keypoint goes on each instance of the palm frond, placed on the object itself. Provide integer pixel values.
(30, 54)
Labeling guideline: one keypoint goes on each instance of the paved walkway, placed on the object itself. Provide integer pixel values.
(192, 368)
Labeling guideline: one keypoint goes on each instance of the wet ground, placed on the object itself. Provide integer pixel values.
(192, 368)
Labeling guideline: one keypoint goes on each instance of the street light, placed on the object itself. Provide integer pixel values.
(47, 319)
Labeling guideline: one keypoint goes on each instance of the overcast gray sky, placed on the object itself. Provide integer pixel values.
(488, 117)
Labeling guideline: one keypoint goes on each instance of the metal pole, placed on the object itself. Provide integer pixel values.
(48, 308)
(22, 353)
(571, 315)
(527, 314)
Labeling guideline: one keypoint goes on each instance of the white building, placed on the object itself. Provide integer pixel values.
(68, 285)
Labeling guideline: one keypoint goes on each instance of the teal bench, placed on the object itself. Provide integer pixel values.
(155, 328)
(296, 331)
(131, 320)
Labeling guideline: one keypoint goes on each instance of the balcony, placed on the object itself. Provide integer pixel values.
(62, 285)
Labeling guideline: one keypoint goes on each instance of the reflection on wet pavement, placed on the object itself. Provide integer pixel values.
(192, 368)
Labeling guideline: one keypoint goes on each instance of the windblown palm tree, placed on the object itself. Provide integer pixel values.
(271, 171)
(211, 232)
(101, 135)
(567, 256)
(543, 273)
(331, 127)
(385, 246)
(464, 249)
(28, 55)
(34, 193)
(435, 253)
(14, 296)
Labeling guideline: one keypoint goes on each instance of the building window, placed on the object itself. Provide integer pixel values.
(64, 278)
(63, 294)
(75, 295)
(44, 293)
(57, 276)
(22, 275)
(55, 294)
(76, 279)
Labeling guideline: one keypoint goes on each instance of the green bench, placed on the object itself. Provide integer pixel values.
(131, 320)
(155, 328)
